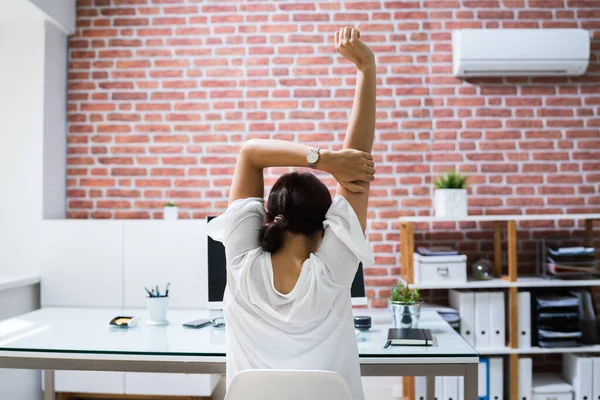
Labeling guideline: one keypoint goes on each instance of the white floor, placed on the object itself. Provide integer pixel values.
(382, 388)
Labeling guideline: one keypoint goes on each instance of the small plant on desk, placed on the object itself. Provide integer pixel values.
(404, 295)
(406, 306)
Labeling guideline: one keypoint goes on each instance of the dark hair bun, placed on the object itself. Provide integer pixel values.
(281, 221)
(297, 204)
(271, 233)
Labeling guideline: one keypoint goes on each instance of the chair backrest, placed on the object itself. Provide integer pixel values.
(259, 384)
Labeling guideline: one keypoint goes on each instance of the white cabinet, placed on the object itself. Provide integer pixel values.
(90, 382)
(157, 252)
(170, 384)
(82, 263)
(107, 264)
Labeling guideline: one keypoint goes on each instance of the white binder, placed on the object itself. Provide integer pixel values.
(482, 320)
(525, 378)
(596, 376)
(420, 388)
(450, 388)
(461, 388)
(497, 316)
(577, 370)
(439, 390)
(596, 380)
(524, 319)
(496, 378)
(464, 303)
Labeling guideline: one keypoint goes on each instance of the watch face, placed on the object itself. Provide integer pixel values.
(312, 157)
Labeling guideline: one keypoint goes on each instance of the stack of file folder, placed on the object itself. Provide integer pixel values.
(568, 262)
(558, 321)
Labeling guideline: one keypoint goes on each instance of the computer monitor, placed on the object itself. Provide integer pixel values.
(217, 277)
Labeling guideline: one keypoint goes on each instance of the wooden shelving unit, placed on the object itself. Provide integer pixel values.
(509, 281)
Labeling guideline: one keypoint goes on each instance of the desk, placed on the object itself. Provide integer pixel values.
(81, 339)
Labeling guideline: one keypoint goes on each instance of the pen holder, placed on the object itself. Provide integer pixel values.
(157, 310)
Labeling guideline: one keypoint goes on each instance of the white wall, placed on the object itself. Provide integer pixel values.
(21, 143)
(32, 102)
(61, 12)
(55, 123)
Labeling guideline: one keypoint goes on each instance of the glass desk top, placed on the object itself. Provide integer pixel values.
(87, 331)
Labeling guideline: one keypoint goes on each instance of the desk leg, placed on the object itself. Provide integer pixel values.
(430, 383)
(49, 392)
(471, 371)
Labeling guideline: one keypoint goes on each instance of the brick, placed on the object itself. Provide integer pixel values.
(132, 215)
(113, 204)
(96, 182)
(128, 172)
(168, 21)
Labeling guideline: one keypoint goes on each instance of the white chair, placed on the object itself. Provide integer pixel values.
(264, 384)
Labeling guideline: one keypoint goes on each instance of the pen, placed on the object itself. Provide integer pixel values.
(149, 292)
(167, 289)
(157, 292)
(153, 293)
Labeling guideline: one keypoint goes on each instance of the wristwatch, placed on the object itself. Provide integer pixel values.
(313, 157)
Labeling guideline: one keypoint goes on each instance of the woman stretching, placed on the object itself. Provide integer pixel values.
(287, 303)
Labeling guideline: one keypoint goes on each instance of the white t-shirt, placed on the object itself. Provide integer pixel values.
(310, 328)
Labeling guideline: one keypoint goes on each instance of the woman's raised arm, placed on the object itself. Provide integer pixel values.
(361, 127)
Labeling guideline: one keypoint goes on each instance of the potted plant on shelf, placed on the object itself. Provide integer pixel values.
(406, 306)
(450, 197)
(170, 211)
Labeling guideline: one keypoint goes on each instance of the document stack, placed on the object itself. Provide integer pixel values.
(567, 262)
(482, 317)
(558, 321)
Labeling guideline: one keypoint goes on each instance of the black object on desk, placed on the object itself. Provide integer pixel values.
(409, 337)
(362, 323)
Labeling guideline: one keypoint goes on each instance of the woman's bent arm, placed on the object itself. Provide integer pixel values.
(347, 166)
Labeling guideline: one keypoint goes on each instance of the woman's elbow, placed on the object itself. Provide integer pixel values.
(248, 150)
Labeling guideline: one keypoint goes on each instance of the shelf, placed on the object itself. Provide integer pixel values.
(540, 350)
(495, 351)
(530, 217)
(541, 282)
(537, 350)
(489, 284)
(498, 283)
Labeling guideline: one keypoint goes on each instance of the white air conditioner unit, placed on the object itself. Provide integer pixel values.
(520, 52)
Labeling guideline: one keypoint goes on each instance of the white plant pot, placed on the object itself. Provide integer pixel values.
(450, 202)
(170, 213)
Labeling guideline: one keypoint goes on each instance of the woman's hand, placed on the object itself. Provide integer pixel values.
(347, 43)
(349, 166)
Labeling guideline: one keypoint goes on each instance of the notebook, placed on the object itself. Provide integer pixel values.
(409, 337)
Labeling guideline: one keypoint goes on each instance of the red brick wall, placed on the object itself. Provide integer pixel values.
(162, 93)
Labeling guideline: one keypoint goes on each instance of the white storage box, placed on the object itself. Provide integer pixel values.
(551, 387)
(438, 269)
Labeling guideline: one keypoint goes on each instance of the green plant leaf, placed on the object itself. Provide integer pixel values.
(452, 180)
